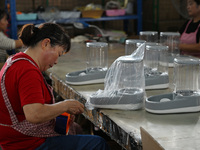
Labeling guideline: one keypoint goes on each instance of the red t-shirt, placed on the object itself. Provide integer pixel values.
(24, 85)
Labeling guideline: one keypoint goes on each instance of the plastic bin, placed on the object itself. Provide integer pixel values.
(115, 12)
(28, 16)
(92, 13)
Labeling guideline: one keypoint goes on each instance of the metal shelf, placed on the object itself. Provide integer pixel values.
(15, 23)
(81, 19)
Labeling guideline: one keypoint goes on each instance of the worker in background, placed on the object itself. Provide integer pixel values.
(190, 32)
(6, 43)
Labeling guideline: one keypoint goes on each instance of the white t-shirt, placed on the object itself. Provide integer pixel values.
(5, 44)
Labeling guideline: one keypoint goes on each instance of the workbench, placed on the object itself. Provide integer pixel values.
(171, 131)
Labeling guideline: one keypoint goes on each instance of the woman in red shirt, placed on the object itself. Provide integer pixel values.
(27, 108)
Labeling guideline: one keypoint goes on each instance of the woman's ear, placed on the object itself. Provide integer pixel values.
(45, 43)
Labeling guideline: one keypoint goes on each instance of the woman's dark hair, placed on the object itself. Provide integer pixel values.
(31, 35)
(2, 13)
(197, 1)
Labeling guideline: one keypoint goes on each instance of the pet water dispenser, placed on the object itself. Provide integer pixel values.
(124, 84)
(186, 94)
(131, 45)
(149, 36)
(171, 39)
(97, 64)
(156, 74)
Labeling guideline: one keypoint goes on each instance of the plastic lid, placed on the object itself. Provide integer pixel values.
(153, 44)
(148, 32)
(134, 41)
(187, 60)
(96, 44)
(170, 33)
(129, 59)
(156, 47)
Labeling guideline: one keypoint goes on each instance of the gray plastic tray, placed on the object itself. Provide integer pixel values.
(166, 103)
(118, 98)
(82, 77)
(160, 81)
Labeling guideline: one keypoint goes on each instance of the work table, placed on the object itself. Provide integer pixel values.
(171, 131)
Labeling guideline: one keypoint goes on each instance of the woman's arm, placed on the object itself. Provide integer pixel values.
(8, 43)
(18, 43)
(190, 47)
(36, 106)
(39, 113)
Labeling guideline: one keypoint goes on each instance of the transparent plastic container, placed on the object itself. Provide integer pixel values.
(155, 59)
(149, 36)
(186, 95)
(97, 56)
(96, 65)
(131, 45)
(146, 57)
(172, 40)
(130, 76)
(186, 76)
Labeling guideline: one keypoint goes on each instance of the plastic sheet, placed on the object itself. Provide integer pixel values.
(131, 45)
(123, 85)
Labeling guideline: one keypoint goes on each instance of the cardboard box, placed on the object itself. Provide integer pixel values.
(148, 142)
(92, 13)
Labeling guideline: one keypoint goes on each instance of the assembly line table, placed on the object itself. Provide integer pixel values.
(171, 131)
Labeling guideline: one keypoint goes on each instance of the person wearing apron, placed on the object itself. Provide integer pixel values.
(28, 111)
(190, 31)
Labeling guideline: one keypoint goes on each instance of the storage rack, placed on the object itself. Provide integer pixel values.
(15, 22)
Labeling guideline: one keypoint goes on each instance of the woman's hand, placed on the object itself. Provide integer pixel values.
(74, 107)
